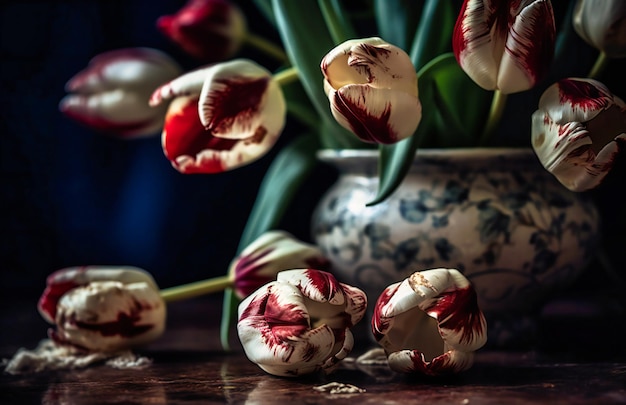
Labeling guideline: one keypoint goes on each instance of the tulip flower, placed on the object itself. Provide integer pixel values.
(429, 323)
(104, 309)
(111, 95)
(602, 24)
(223, 116)
(258, 264)
(577, 132)
(210, 30)
(372, 88)
(300, 323)
(505, 45)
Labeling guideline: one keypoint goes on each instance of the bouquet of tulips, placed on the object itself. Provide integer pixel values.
(389, 74)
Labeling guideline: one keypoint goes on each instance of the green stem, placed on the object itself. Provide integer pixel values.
(599, 66)
(286, 76)
(495, 115)
(266, 46)
(191, 290)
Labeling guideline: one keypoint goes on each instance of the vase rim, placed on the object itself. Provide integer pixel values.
(481, 152)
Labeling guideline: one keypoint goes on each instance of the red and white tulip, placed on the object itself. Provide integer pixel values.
(430, 323)
(578, 132)
(209, 30)
(372, 88)
(222, 117)
(505, 45)
(602, 24)
(111, 95)
(103, 309)
(300, 323)
(269, 254)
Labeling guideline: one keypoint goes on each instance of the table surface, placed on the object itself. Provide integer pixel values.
(189, 367)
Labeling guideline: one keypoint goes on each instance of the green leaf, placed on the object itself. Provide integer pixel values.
(229, 309)
(397, 20)
(265, 7)
(337, 20)
(434, 32)
(307, 40)
(290, 168)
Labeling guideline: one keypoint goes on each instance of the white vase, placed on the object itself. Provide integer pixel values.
(495, 214)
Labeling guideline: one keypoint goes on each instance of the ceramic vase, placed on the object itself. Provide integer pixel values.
(495, 214)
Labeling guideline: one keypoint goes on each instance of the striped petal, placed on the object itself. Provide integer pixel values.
(111, 95)
(62, 281)
(423, 321)
(299, 323)
(209, 30)
(506, 45)
(269, 254)
(580, 141)
(372, 88)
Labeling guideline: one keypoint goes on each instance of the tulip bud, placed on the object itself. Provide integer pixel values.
(430, 323)
(372, 88)
(505, 45)
(209, 30)
(224, 116)
(103, 308)
(578, 131)
(271, 253)
(602, 24)
(111, 95)
(300, 323)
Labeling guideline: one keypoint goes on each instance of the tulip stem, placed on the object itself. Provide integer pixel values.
(286, 76)
(266, 46)
(599, 66)
(495, 114)
(195, 289)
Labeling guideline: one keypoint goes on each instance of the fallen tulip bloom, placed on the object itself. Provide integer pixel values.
(269, 254)
(372, 88)
(578, 131)
(430, 323)
(209, 30)
(111, 95)
(602, 24)
(222, 117)
(505, 45)
(300, 323)
(103, 309)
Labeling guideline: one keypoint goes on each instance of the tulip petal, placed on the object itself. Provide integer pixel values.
(240, 100)
(579, 142)
(186, 85)
(192, 149)
(112, 93)
(413, 361)
(424, 320)
(602, 24)
(376, 115)
(64, 280)
(319, 286)
(210, 30)
(505, 45)
(269, 254)
(575, 99)
(109, 316)
(529, 48)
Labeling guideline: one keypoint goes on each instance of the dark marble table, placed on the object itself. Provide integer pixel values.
(190, 368)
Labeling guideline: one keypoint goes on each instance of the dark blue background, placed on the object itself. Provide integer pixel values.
(71, 196)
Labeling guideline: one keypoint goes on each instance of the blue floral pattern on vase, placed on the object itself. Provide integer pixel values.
(499, 218)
